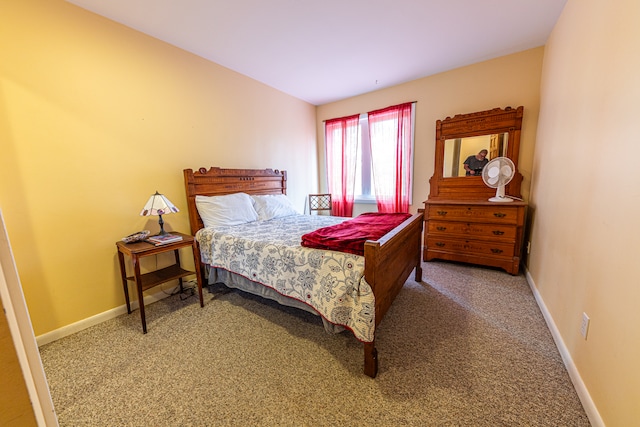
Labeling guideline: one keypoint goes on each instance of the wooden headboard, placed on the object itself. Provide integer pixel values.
(218, 182)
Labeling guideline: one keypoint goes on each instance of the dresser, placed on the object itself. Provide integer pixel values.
(476, 232)
(461, 224)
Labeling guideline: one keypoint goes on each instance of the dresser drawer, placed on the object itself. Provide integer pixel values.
(492, 213)
(480, 247)
(473, 229)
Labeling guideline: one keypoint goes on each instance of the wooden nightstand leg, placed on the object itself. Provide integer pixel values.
(136, 275)
(199, 277)
(125, 284)
(177, 255)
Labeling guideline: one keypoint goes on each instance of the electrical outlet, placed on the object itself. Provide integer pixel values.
(584, 327)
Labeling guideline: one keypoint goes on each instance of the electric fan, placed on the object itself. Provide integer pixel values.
(497, 174)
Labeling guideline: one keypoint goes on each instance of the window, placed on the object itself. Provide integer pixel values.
(364, 190)
(384, 155)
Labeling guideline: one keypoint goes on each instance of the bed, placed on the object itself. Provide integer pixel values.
(386, 265)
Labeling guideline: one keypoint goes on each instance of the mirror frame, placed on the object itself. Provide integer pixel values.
(507, 120)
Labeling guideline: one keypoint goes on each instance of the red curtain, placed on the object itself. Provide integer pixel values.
(390, 133)
(342, 136)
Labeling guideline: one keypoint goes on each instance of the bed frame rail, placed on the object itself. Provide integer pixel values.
(388, 263)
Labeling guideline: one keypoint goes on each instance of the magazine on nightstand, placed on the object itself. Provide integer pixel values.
(163, 239)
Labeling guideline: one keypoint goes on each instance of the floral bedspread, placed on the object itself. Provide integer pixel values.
(269, 252)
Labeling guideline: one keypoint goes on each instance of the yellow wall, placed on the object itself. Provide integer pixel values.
(511, 80)
(95, 117)
(586, 198)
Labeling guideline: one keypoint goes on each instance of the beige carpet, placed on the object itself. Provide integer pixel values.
(467, 347)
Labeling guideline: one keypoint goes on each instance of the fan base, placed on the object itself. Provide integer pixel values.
(501, 199)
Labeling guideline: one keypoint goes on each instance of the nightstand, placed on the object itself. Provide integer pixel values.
(146, 281)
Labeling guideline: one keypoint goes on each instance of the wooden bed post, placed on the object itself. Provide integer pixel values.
(370, 359)
(418, 275)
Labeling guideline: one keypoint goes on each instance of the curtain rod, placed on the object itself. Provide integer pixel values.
(408, 102)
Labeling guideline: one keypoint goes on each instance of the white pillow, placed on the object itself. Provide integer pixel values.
(220, 211)
(273, 206)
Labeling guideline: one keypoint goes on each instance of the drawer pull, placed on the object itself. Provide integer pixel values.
(497, 251)
(498, 232)
(442, 213)
(499, 214)
(441, 228)
(439, 244)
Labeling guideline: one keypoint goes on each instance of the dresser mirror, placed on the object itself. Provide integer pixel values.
(457, 150)
(464, 135)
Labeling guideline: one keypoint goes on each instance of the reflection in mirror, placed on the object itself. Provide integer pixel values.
(457, 150)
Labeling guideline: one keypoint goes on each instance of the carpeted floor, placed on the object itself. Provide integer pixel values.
(466, 347)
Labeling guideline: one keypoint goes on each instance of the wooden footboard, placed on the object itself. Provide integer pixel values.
(388, 264)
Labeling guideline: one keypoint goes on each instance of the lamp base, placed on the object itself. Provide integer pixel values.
(161, 222)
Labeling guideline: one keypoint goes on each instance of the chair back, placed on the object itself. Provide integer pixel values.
(320, 202)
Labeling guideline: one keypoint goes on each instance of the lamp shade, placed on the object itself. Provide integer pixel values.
(158, 204)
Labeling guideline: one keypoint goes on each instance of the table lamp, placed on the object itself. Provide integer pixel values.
(159, 205)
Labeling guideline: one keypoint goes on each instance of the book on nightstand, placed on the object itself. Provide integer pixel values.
(163, 239)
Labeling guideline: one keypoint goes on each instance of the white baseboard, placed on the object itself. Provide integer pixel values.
(98, 318)
(576, 379)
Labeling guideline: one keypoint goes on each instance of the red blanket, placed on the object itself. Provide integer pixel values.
(350, 235)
